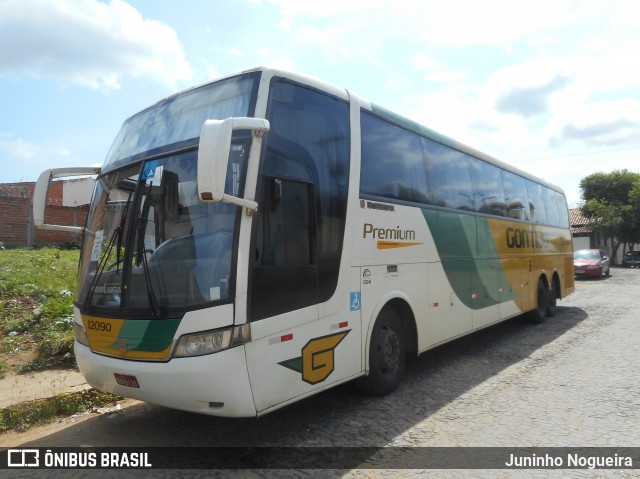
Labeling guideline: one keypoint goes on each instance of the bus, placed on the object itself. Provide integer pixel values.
(266, 236)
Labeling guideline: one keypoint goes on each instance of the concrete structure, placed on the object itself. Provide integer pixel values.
(584, 237)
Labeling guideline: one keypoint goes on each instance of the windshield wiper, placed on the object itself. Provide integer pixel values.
(116, 235)
(141, 252)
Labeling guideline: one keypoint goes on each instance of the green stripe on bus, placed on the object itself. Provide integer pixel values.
(147, 335)
(470, 259)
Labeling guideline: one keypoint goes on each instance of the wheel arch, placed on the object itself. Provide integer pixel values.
(402, 305)
(549, 279)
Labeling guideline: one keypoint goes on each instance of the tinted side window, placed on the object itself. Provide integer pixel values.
(392, 162)
(285, 277)
(305, 177)
(449, 176)
(563, 213)
(488, 195)
(515, 196)
(536, 203)
(551, 206)
(287, 224)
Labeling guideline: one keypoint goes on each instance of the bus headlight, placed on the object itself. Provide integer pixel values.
(80, 335)
(210, 342)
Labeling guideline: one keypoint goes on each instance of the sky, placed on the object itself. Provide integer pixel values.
(551, 87)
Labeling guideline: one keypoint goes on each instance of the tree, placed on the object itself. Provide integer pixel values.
(611, 202)
(634, 203)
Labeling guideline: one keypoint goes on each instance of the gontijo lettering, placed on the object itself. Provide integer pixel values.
(523, 238)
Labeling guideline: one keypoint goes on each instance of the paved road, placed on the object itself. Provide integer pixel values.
(571, 381)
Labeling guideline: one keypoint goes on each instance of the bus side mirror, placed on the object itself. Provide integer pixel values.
(40, 195)
(213, 157)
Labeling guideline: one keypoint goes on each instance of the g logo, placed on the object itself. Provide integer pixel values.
(318, 358)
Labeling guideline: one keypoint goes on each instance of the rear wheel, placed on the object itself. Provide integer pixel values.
(387, 355)
(552, 303)
(540, 313)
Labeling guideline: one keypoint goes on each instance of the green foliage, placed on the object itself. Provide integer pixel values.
(36, 303)
(24, 415)
(17, 316)
(610, 188)
(611, 201)
(28, 272)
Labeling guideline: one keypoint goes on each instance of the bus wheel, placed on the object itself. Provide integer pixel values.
(387, 355)
(540, 313)
(552, 304)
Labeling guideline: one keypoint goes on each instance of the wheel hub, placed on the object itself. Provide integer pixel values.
(390, 353)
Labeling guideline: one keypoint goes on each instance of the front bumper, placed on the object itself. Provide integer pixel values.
(215, 384)
(583, 272)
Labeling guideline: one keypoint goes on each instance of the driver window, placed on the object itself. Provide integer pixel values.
(285, 274)
(285, 225)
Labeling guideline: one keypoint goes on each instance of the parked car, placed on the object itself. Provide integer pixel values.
(631, 259)
(591, 263)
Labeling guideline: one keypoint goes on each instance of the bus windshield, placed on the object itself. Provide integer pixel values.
(151, 246)
(179, 118)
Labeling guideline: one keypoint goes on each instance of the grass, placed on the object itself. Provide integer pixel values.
(34, 272)
(36, 315)
(36, 305)
(43, 411)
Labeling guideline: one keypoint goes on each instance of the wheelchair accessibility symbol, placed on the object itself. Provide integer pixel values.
(354, 300)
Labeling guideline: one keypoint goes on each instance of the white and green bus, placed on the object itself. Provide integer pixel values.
(266, 236)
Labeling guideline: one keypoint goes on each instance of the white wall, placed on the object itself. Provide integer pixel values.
(581, 242)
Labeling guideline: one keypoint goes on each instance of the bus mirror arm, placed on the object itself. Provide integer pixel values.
(42, 188)
(213, 157)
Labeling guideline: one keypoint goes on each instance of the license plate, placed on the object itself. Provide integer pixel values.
(579, 271)
(126, 380)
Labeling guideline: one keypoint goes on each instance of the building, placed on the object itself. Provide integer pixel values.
(67, 204)
(585, 237)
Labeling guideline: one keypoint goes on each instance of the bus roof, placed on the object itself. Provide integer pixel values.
(382, 112)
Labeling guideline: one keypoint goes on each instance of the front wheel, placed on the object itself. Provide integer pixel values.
(387, 355)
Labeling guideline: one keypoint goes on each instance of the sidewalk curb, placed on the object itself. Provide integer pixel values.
(39, 385)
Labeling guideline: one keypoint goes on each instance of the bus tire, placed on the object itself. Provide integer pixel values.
(552, 304)
(387, 355)
(539, 314)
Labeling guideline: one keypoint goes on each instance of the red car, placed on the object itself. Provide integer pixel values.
(591, 263)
